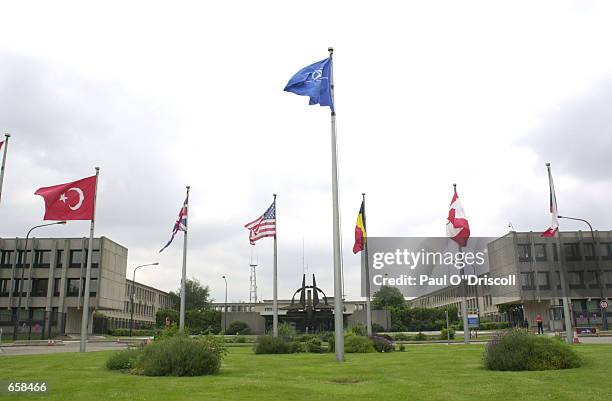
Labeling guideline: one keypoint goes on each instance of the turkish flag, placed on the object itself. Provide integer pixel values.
(70, 201)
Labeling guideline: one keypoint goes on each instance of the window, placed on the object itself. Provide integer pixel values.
(575, 279)
(76, 258)
(605, 250)
(23, 259)
(5, 285)
(555, 255)
(93, 287)
(589, 250)
(18, 287)
(572, 252)
(39, 287)
(42, 259)
(540, 252)
(6, 259)
(527, 281)
(524, 252)
(6, 315)
(543, 281)
(95, 258)
(591, 278)
(59, 258)
(57, 289)
(72, 287)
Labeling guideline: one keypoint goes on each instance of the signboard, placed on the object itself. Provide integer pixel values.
(473, 321)
(603, 304)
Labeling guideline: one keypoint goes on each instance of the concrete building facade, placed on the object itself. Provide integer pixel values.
(42, 290)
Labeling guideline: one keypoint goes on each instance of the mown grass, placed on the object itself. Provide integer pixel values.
(429, 372)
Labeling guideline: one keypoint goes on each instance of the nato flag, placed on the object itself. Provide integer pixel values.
(313, 81)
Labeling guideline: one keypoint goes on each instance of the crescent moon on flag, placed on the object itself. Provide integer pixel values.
(81, 198)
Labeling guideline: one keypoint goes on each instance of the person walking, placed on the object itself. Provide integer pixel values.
(540, 323)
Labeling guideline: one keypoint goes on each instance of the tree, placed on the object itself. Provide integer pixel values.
(196, 296)
(388, 297)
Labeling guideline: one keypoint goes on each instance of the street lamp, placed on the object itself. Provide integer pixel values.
(21, 264)
(225, 314)
(604, 315)
(132, 295)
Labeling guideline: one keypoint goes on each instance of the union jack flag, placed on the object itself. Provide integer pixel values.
(263, 226)
(181, 223)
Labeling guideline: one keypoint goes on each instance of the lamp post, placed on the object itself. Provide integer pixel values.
(21, 264)
(132, 295)
(604, 317)
(225, 307)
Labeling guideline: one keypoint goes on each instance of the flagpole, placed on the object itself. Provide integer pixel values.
(275, 284)
(85, 317)
(560, 256)
(184, 273)
(6, 141)
(367, 272)
(338, 303)
(466, 329)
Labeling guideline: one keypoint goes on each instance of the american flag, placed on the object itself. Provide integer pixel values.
(263, 226)
(181, 223)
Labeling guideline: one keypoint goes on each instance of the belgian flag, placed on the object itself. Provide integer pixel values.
(360, 230)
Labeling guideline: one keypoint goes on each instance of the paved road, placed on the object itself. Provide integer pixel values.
(69, 346)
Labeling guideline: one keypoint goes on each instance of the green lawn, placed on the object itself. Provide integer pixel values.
(423, 372)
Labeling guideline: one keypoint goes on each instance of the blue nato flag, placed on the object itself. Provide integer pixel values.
(314, 81)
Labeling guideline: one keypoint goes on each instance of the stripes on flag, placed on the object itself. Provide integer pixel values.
(263, 226)
(554, 226)
(180, 224)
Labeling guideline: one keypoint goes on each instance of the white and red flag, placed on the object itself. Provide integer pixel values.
(1, 143)
(71, 201)
(554, 225)
(457, 226)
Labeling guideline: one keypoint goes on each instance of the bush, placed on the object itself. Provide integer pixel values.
(493, 325)
(420, 337)
(304, 338)
(357, 344)
(273, 345)
(402, 348)
(382, 344)
(167, 332)
(520, 350)
(377, 328)
(358, 329)
(122, 332)
(240, 339)
(181, 355)
(238, 327)
(286, 331)
(124, 360)
(401, 337)
(446, 334)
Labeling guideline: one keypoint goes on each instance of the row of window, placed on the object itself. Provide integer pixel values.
(139, 309)
(576, 279)
(40, 285)
(43, 257)
(572, 251)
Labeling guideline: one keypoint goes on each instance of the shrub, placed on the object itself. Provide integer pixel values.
(286, 331)
(181, 355)
(123, 332)
(124, 360)
(238, 327)
(240, 339)
(401, 337)
(493, 325)
(167, 332)
(446, 334)
(304, 338)
(314, 346)
(273, 345)
(382, 344)
(377, 328)
(402, 348)
(520, 350)
(420, 337)
(357, 344)
(358, 329)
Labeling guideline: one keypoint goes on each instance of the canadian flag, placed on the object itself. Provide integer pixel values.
(70, 201)
(457, 226)
(1, 143)
(554, 225)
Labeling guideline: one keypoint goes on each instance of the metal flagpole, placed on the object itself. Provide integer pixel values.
(367, 271)
(466, 329)
(6, 141)
(562, 279)
(184, 274)
(85, 317)
(275, 284)
(338, 295)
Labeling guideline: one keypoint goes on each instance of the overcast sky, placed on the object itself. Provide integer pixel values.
(427, 94)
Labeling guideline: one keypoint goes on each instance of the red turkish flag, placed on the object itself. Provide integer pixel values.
(70, 201)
